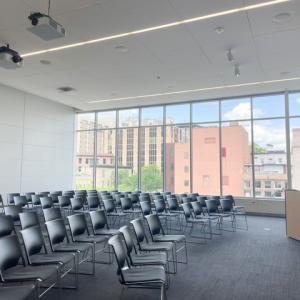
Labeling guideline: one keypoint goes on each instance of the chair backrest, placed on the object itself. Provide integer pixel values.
(52, 213)
(10, 253)
(1, 201)
(129, 242)
(78, 225)
(43, 194)
(212, 205)
(46, 202)
(77, 203)
(118, 198)
(109, 205)
(134, 198)
(187, 211)
(98, 219)
(6, 226)
(229, 197)
(36, 200)
(29, 195)
(10, 197)
(193, 196)
(29, 219)
(20, 200)
(216, 198)
(202, 199)
(154, 224)
(139, 230)
(197, 208)
(146, 208)
(145, 198)
(160, 205)
(93, 202)
(33, 241)
(172, 203)
(126, 203)
(54, 197)
(227, 205)
(64, 201)
(57, 232)
(13, 211)
(120, 253)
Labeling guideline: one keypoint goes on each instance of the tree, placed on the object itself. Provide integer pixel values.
(152, 179)
(259, 149)
(127, 182)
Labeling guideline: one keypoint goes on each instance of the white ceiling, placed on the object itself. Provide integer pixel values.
(186, 57)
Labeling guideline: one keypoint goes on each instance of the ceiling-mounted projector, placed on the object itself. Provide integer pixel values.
(45, 27)
(9, 58)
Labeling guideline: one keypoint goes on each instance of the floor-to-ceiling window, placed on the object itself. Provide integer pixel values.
(232, 146)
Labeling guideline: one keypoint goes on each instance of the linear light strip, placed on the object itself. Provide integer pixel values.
(149, 29)
(196, 90)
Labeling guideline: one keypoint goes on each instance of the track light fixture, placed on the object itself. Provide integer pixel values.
(237, 72)
(230, 56)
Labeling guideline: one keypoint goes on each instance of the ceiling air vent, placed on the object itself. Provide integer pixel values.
(67, 90)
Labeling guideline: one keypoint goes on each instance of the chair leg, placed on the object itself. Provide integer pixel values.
(163, 294)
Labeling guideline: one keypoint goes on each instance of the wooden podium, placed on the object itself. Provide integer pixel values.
(292, 213)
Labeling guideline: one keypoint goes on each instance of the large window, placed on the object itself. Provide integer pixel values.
(228, 146)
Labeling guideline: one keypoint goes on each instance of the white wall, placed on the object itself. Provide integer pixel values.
(36, 143)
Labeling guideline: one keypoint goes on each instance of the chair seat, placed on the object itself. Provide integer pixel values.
(157, 246)
(72, 247)
(90, 239)
(223, 215)
(198, 220)
(29, 273)
(144, 274)
(51, 258)
(105, 231)
(150, 259)
(169, 238)
(26, 292)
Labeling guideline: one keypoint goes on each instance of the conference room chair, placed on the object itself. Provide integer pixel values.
(46, 202)
(158, 235)
(29, 219)
(13, 272)
(52, 213)
(21, 201)
(77, 204)
(80, 234)
(13, 211)
(59, 242)
(36, 200)
(146, 208)
(6, 226)
(37, 254)
(137, 277)
(93, 202)
(10, 198)
(112, 212)
(1, 203)
(99, 223)
(18, 292)
(144, 245)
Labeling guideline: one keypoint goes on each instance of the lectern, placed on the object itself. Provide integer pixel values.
(292, 213)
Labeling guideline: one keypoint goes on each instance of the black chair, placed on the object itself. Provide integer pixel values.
(146, 208)
(158, 235)
(204, 223)
(99, 223)
(145, 246)
(29, 219)
(64, 203)
(138, 277)
(28, 196)
(18, 292)
(21, 201)
(10, 198)
(13, 211)
(6, 226)
(111, 211)
(93, 202)
(80, 234)
(46, 202)
(142, 259)
(1, 203)
(36, 201)
(11, 271)
(202, 200)
(37, 254)
(52, 213)
(59, 242)
(77, 204)
(227, 208)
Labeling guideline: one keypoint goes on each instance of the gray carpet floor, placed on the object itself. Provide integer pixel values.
(260, 263)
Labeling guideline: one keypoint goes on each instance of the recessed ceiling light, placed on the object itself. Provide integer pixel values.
(158, 27)
(121, 48)
(282, 18)
(219, 30)
(45, 62)
(197, 90)
(158, 77)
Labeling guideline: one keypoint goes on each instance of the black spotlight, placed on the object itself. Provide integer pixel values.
(16, 59)
(34, 18)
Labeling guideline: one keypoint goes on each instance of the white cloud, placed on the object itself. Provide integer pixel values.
(242, 111)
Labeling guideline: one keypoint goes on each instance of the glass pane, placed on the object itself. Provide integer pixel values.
(176, 114)
(129, 117)
(295, 152)
(270, 158)
(105, 168)
(128, 159)
(152, 115)
(237, 109)
(236, 159)
(294, 104)
(205, 111)
(84, 160)
(268, 106)
(206, 159)
(85, 121)
(106, 119)
(177, 174)
(151, 157)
